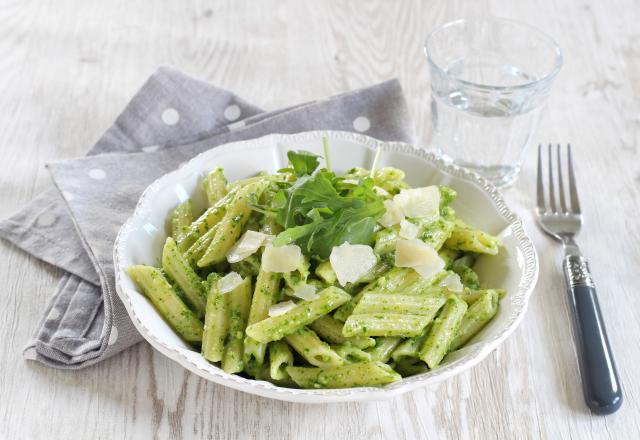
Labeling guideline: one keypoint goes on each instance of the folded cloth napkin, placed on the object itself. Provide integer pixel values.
(171, 119)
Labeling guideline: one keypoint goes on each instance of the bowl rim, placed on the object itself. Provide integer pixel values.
(267, 389)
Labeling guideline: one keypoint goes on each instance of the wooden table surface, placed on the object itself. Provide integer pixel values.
(66, 70)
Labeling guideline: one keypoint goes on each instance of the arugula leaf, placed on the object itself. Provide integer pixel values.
(319, 212)
(353, 225)
(308, 192)
(303, 162)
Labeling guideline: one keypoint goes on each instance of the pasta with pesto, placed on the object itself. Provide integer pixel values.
(311, 279)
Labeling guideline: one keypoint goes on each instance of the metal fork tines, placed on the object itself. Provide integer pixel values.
(562, 220)
(560, 217)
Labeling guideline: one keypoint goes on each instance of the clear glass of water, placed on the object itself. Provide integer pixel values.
(489, 80)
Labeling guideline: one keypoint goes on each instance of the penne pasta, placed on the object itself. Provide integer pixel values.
(443, 331)
(215, 186)
(337, 281)
(313, 349)
(156, 287)
(181, 219)
(304, 313)
(476, 317)
(344, 376)
(216, 322)
(179, 270)
(264, 296)
(238, 302)
(280, 357)
(231, 225)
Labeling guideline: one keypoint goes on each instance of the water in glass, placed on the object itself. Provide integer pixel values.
(486, 131)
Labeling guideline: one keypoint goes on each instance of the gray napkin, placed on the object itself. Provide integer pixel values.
(170, 120)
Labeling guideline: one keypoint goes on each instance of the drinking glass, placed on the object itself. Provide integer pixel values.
(489, 80)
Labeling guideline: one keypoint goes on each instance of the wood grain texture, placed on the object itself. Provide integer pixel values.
(67, 68)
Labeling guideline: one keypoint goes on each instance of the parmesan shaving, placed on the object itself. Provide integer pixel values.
(428, 271)
(419, 256)
(452, 282)
(350, 262)
(281, 308)
(281, 259)
(408, 230)
(392, 216)
(248, 244)
(229, 282)
(419, 202)
(306, 292)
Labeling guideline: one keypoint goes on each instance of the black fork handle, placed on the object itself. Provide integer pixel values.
(600, 383)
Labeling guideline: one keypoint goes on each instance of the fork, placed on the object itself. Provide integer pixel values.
(600, 383)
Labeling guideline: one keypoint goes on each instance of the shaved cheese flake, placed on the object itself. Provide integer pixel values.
(229, 282)
(408, 230)
(420, 256)
(381, 191)
(351, 262)
(248, 244)
(392, 216)
(281, 259)
(412, 253)
(452, 282)
(419, 202)
(304, 291)
(281, 308)
(351, 181)
(428, 271)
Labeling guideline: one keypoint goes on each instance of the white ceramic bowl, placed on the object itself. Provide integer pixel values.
(141, 238)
